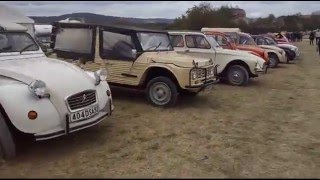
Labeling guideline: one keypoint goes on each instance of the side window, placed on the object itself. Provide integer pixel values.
(118, 46)
(197, 41)
(190, 42)
(221, 40)
(177, 40)
(202, 42)
(260, 41)
(268, 41)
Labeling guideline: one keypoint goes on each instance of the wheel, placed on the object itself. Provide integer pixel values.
(238, 75)
(7, 145)
(274, 61)
(161, 92)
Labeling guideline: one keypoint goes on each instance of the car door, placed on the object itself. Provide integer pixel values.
(119, 52)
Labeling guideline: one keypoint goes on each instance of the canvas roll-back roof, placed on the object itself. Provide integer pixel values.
(221, 29)
(12, 15)
(115, 28)
(12, 27)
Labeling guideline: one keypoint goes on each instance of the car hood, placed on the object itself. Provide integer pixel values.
(62, 79)
(178, 59)
(256, 49)
(242, 53)
(275, 48)
(289, 46)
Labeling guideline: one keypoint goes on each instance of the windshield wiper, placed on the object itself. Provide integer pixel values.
(27, 47)
(156, 47)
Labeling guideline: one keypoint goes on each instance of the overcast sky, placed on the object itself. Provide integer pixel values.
(158, 9)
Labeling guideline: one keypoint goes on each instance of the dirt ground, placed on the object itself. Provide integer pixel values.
(271, 128)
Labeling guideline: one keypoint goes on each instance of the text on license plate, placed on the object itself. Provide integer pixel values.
(84, 114)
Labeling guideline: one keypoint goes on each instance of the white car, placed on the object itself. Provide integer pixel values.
(44, 98)
(235, 66)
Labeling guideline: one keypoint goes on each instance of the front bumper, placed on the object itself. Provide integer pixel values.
(204, 85)
(297, 52)
(283, 57)
(70, 127)
(261, 70)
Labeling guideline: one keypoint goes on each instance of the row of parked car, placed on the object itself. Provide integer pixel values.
(43, 98)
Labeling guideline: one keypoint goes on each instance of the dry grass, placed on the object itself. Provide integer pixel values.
(268, 129)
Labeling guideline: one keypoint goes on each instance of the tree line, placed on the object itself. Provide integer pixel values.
(204, 15)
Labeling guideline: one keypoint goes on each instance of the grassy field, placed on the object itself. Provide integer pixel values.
(269, 129)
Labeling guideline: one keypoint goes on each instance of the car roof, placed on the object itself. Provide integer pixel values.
(11, 27)
(185, 32)
(117, 28)
(221, 29)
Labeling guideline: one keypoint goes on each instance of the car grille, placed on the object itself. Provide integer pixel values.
(81, 99)
(201, 73)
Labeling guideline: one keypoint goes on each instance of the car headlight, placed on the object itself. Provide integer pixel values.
(211, 71)
(100, 75)
(194, 74)
(39, 89)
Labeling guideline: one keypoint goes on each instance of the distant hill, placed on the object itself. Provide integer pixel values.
(101, 19)
(315, 13)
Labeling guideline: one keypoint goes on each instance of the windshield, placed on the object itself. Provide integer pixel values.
(213, 42)
(246, 39)
(233, 37)
(270, 41)
(154, 41)
(16, 42)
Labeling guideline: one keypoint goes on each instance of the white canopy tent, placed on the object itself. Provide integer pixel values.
(8, 14)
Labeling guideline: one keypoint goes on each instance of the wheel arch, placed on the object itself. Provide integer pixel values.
(155, 71)
(237, 62)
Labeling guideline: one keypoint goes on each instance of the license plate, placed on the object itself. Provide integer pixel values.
(84, 114)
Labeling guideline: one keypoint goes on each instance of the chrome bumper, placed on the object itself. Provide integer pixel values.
(75, 126)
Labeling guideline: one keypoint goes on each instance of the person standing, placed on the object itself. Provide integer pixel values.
(311, 37)
(317, 35)
(318, 47)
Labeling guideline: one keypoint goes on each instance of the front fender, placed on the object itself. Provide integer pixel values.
(276, 53)
(17, 101)
(181, 74)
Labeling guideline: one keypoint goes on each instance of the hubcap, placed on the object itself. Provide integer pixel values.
(160, 93)
(272, 62)
(236, 76)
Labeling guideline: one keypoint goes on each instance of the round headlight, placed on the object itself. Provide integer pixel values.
(194, 74)
(100, 75)
(39, 89)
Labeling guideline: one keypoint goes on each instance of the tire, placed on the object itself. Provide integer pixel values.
(237, 75)
(274, 61)
(162, 92)
(288, 59)
(7, 145)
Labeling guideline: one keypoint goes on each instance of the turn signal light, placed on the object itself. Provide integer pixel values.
(32, 115)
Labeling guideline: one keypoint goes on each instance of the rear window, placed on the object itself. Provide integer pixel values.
(74, 40)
